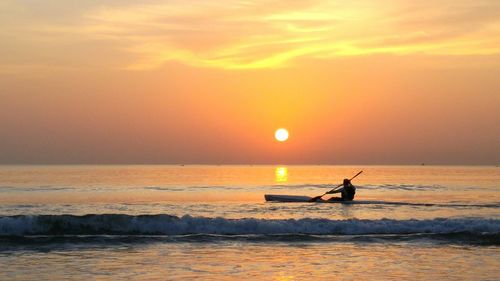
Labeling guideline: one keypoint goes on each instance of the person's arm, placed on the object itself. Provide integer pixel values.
(335, 191)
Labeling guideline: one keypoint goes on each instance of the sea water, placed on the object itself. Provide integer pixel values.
(212, 223)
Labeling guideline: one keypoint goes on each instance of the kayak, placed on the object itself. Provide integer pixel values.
(287, 198)
(305, 199)
(298, 198)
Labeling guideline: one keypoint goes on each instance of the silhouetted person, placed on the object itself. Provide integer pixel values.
(347, 192)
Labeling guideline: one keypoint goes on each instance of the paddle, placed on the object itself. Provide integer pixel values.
(318, 197)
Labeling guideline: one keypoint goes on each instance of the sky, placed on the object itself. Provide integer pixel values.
(209, 82)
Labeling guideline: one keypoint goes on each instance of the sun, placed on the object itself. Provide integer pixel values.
(281, 134)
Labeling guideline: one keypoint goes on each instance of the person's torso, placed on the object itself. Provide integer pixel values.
(348, 192)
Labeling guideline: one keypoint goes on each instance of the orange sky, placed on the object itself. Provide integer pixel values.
(355, 82)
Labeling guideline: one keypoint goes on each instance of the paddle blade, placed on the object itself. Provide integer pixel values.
(314, 199)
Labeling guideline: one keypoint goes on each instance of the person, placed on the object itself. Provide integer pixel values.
(347, 192)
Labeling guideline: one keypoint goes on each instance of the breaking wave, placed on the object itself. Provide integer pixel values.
(117, 224)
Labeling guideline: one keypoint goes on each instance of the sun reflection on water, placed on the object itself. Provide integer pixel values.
(281, 174)
(284, 278)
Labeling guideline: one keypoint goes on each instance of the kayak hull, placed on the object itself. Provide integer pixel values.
(303, 199)
(286, 198)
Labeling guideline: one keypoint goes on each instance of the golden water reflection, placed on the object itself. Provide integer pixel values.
(261, 261)
(281, 174)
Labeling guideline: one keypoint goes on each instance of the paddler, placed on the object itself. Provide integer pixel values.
(347, 192)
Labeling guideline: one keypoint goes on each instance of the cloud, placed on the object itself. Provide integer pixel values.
(271, 34)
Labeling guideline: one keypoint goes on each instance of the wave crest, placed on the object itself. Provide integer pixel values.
(117, 224)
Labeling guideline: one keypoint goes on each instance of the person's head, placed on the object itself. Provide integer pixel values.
(347, 181)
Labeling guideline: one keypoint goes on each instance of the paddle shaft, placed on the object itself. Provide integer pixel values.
(356, 175)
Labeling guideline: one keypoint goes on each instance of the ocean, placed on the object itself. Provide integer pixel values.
(176, 222)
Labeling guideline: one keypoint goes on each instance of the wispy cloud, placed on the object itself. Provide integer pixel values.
(270, 34)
